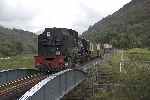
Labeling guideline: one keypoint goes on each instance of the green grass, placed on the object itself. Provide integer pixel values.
(133, 82)
(21, 61)
(138, 54)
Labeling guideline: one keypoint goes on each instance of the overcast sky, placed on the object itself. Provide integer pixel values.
(33, 15)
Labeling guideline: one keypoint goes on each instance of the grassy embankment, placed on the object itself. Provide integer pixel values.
(133, 82)
(21, 61)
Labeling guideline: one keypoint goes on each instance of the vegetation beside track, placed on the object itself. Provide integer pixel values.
(129, 83)
(132, 81)
(138, 54)
(21, 61)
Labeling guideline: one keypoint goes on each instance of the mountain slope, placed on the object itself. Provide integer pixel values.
(130, 23)
(15, 41)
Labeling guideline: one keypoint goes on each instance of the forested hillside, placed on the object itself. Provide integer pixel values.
(14, 42)
(129, 27)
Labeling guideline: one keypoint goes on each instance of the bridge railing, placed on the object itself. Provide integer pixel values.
(13, 74)
(55, 86)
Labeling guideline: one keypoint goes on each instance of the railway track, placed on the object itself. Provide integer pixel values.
(14, 89)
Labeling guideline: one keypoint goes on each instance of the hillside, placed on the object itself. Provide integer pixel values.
(15, 41)
(126, 28)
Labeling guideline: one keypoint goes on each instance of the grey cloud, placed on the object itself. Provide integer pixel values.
(21, 17)
(14, 13)
(90, 12)
(90, 17)
(17, 16)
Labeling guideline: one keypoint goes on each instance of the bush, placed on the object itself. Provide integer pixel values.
(12, 48)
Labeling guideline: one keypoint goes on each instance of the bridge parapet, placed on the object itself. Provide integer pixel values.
(13, 74)
(55, 86)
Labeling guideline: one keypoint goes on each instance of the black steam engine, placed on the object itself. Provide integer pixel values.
(60, 48)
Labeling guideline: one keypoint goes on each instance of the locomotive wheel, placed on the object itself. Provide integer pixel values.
(43, 68)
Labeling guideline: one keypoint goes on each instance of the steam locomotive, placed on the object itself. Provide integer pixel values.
(61, 48)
